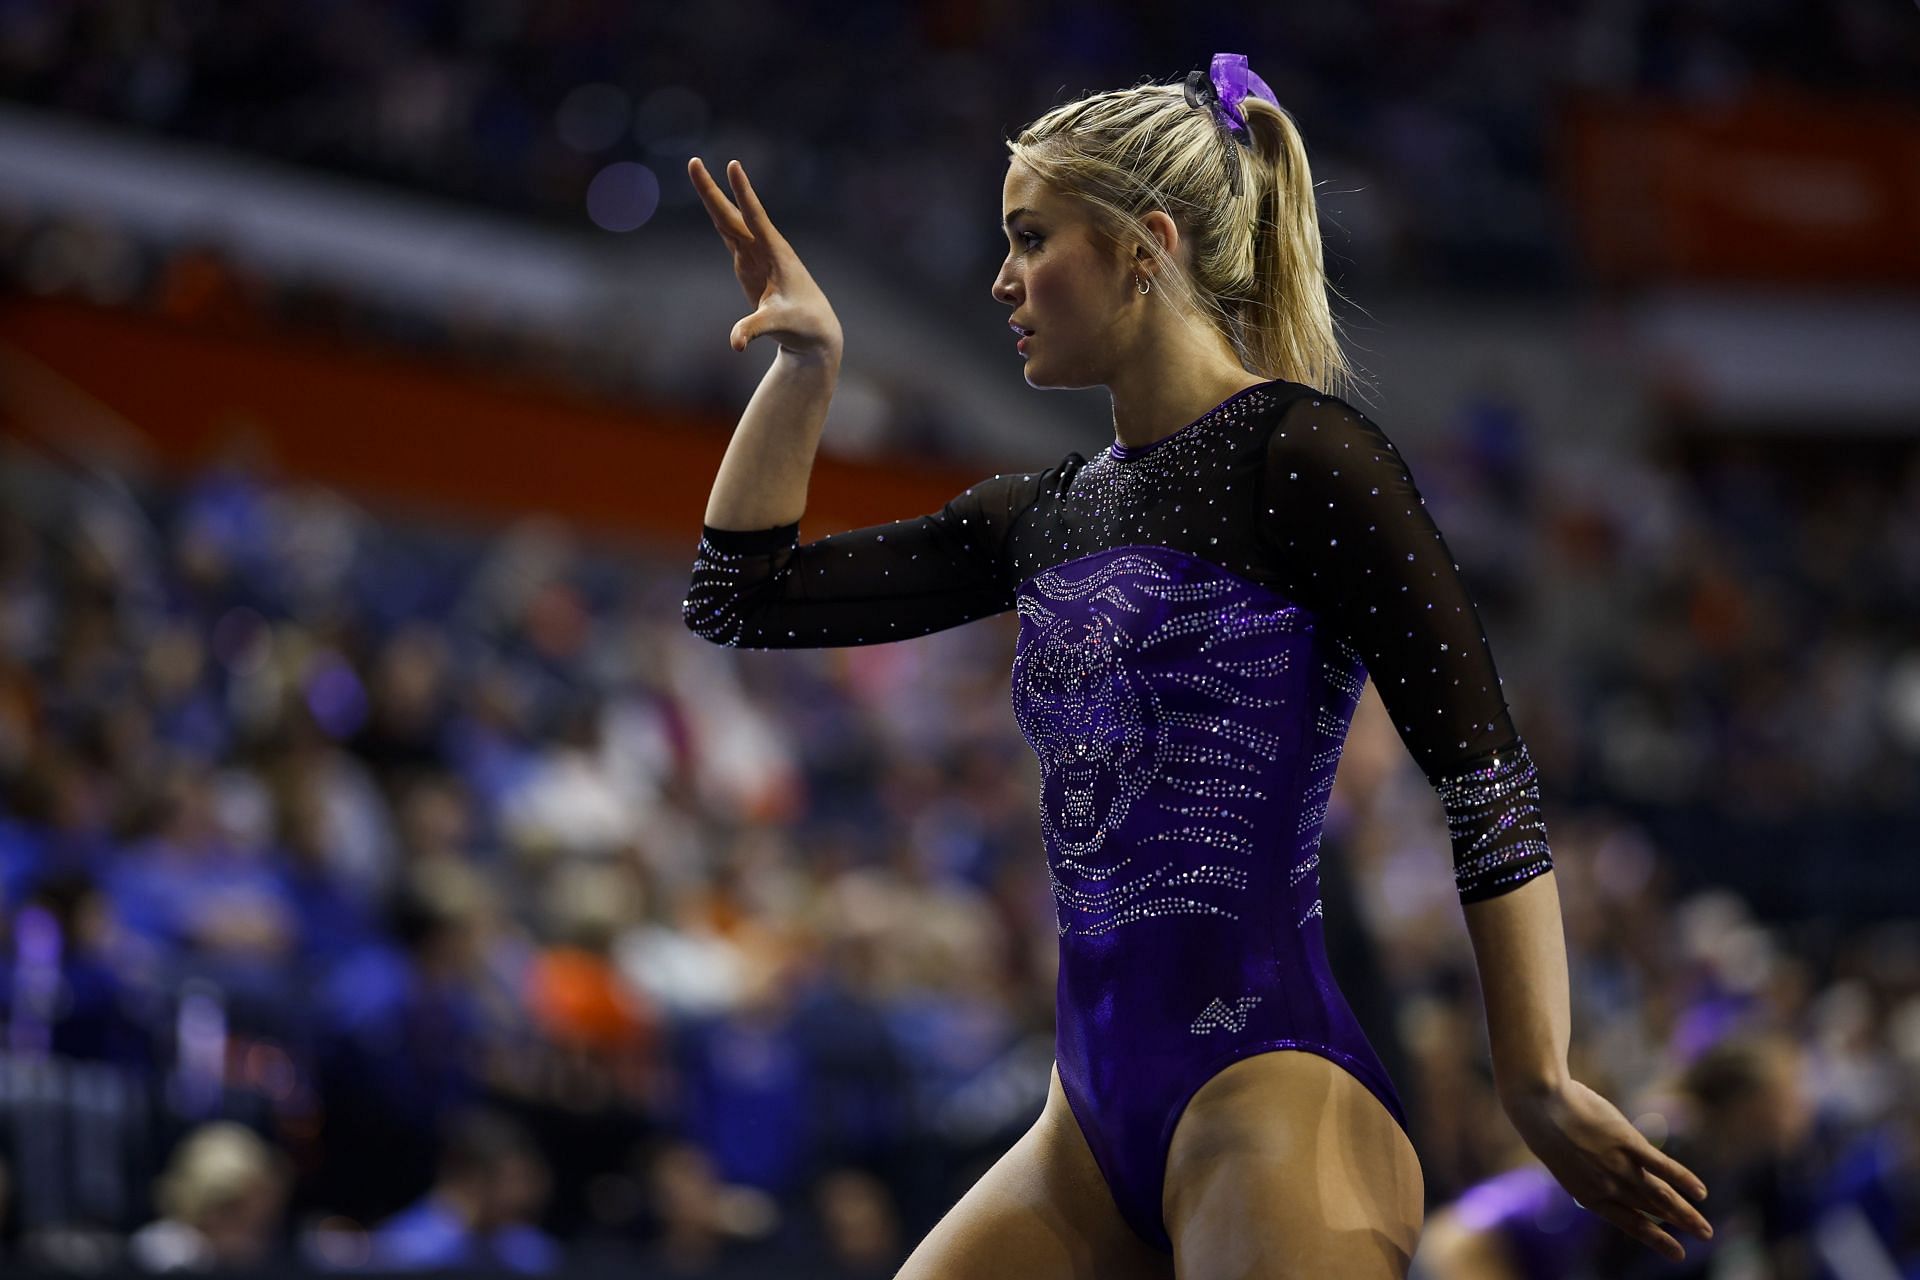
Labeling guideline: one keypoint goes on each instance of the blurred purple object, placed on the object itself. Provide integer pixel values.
(36, 980)
(336, 698)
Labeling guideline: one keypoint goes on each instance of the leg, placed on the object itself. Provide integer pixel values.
(1285, 1166)
(1042, 1211)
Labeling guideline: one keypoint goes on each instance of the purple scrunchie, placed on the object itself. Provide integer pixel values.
(1232, 81)
(1221, 89)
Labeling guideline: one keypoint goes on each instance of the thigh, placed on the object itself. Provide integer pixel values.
(1042, 1211)
(1285, 1165)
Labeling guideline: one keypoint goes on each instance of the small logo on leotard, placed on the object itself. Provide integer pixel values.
(1220, 1014)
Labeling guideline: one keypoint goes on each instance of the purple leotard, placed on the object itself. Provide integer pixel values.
(1198, 618)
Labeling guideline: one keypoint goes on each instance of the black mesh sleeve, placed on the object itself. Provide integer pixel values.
(1353, 540)
(763, 589)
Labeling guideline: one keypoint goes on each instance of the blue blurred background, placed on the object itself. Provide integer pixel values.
(389, 880)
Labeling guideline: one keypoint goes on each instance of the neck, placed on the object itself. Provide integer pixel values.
(1168, 385)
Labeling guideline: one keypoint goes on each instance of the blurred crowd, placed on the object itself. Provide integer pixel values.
(1428, 116)
(379, 895)
(1432, 126)
(382, 893)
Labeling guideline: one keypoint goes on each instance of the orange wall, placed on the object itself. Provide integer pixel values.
(389, 426)
(1780, 187)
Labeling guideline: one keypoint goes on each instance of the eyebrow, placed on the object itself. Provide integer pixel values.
(1008, 220)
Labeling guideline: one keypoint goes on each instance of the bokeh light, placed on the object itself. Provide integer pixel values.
(623, 196)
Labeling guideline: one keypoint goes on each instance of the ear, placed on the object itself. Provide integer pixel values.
(1167, 232)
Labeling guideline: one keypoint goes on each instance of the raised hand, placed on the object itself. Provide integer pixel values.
(1608, 1166)
(788, 306)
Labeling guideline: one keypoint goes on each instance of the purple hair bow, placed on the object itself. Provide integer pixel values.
(1224, 87)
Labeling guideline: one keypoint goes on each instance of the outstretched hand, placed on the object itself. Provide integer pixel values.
(1608, 1166)
(788, 306)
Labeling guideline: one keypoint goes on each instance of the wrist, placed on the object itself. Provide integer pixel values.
(1535, 1081)
(826, 357)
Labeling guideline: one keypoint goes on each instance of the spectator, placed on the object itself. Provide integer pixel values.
(221, 1198)
(483, 1209)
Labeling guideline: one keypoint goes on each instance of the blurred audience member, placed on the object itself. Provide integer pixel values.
(222, 1198)
(860, 1225)
(701, 1220)
(483, 1209)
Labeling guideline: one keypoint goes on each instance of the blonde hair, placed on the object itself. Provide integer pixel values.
(1258, 275)
(213, 1166)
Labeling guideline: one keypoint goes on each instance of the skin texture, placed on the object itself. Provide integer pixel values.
(1283, 1165)
(1042, 1212)
(763, 476)
(1592, 1149)
(1093, 327)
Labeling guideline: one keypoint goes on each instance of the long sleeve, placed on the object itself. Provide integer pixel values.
(763, 589)
(1351, 535)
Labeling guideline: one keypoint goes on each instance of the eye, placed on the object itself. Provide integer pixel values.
(1023, 235)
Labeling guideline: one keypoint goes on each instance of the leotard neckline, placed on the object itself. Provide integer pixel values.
(1124, 453)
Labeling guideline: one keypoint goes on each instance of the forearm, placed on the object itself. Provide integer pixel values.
(762, 481)
(1521, 952)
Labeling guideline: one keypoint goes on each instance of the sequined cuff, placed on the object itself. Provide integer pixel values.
(1494, 821)
(712, 608)
(750, 541)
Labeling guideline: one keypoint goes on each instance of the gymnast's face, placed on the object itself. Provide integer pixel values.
(1064, 285)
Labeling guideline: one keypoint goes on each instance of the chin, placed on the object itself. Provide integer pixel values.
(1044, 380)
(1045, 376)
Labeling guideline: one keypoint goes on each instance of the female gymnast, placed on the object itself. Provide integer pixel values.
(1200, 604)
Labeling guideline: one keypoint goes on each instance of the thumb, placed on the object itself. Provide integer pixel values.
(741, 335)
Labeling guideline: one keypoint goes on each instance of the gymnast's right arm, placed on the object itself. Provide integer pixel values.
(754, 585)
(762, 589)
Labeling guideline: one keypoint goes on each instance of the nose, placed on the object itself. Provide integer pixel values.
(1003, 287)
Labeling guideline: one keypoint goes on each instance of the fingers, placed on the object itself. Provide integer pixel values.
(726, 219)
(749, 200)
(1663, 1202)
(1637, 1225)
(1659, 1174)
(1676, 1174)
(749, 327)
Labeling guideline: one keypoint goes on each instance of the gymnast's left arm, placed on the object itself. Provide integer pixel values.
(1350, 533)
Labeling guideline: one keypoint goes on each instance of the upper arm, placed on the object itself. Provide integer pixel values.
(1353, 532)
(1351, 535)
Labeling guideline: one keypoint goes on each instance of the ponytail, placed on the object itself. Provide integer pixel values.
(1287, 328)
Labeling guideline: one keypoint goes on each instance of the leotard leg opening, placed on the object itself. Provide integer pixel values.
(1131, 1150)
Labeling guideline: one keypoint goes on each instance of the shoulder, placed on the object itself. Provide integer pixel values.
(1326, 446)
(1316, 424)
(1325, 461)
